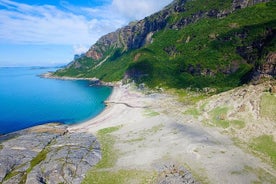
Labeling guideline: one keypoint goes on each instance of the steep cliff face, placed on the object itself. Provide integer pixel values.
(137, 34)
(187, 44)
(132, 36)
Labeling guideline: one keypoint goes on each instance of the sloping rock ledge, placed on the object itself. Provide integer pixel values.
(47, 154)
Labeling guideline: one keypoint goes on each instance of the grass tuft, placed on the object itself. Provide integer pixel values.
(219, 116)
(266, 145)
(109, 155)
(104, 173)
(119, 177)
(268, 106)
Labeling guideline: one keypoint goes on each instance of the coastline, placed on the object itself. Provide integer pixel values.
(154, 133)
(115, 95)
(49, 75)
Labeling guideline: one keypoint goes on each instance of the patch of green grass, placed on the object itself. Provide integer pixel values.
(263, 176)
(109, 155)
(1, 146)
(237, 124)
(34, 162)
(193, 111)
(10, 175)
(151, 113)
(268, 106)
(39, 158)
(265, 145)
(136, 140)
(119, 177)
(188, 97)
(202, 107)
(103, 173)
(106, 131)
(156, 128)
(219, 116)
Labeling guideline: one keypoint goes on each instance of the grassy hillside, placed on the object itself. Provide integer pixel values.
(212, 52)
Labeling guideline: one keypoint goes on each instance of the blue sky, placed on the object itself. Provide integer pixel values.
(50, 32)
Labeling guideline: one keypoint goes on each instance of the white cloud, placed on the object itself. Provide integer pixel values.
(137, 9)
(79, 49)
(21, 23)
(71, 25)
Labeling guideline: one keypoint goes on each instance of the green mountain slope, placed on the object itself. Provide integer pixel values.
(218, 44)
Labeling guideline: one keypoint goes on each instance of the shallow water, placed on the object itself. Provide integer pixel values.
(27, 100)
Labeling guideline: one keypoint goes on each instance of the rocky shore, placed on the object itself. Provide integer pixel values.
(47, 154)
(151, 138)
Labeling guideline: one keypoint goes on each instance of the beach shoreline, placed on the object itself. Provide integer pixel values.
(154, 131)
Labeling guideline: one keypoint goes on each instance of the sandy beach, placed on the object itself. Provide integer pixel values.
(155, 131)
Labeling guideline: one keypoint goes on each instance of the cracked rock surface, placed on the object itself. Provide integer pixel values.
(47, 154)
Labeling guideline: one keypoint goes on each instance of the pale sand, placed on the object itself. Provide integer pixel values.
(155, 131)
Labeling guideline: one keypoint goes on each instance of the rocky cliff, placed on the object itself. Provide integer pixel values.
(218, 44)
(137, 34)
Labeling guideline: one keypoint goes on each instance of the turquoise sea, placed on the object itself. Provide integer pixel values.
(27, 100)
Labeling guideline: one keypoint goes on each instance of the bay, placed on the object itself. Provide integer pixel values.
(27, 100)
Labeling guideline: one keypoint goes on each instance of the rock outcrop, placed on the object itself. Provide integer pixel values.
(47, 154)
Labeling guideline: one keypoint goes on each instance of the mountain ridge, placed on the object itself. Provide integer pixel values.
(128, 46)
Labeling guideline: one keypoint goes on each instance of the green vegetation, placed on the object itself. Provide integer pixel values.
(263, 176)
(136, 140)
(265, 145)
(211, 52)
(268, 106)
(237, 124)
(104, 172)
(35, 161)
(155, 129)
(39, 158)
(219, 116)
(109, 155)
(150, 113)
(193, 111)
(187, 96)
(10, 175)
(119, 177)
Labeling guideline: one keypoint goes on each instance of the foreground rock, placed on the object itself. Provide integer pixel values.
(171, 173)
(47, 154)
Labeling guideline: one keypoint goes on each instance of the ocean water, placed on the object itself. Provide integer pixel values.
(27, 100)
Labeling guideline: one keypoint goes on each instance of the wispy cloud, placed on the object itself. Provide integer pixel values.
(70, 25)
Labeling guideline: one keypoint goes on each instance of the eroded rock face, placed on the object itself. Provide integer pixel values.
(266, 70)
(269, 67)
(238, 4)
(136, 34)
(47, 154)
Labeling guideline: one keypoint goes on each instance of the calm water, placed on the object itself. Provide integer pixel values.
(27, 100)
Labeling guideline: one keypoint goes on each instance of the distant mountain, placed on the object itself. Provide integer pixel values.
(190, 43)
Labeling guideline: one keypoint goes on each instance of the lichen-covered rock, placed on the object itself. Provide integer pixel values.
(69, 158)
(47, 154)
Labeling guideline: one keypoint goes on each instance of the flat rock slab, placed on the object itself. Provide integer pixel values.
(47, 154)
